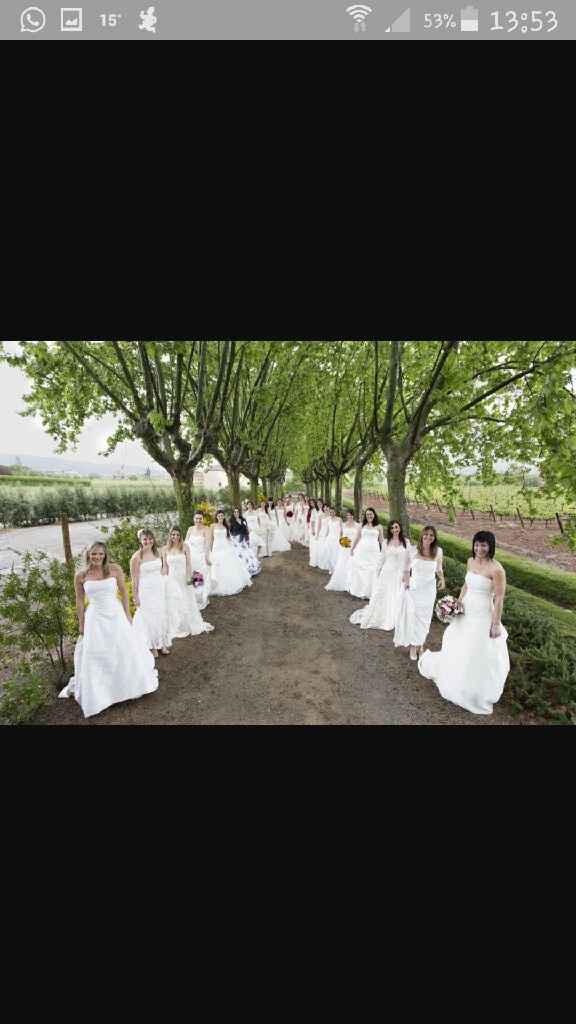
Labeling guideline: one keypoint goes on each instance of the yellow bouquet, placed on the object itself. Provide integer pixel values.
(345, 542)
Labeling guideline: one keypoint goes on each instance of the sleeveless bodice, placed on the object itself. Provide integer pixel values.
(102, 595)
(177, 564)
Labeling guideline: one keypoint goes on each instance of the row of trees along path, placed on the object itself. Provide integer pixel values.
(322, 409)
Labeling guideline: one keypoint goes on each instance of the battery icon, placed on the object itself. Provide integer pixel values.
(469, 19)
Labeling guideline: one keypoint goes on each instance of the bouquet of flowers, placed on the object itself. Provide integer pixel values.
(447, 608)
(345, 542)
(289, 515)
(197, 579)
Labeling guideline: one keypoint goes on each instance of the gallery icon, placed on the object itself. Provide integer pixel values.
(32, 19)
(71, 19)
(148, 20)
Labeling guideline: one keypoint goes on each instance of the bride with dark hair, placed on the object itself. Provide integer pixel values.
(229, 574)
(241, 539)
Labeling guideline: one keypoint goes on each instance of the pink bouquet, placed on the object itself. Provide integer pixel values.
(447, 608)
(289, 515)
(197, 579)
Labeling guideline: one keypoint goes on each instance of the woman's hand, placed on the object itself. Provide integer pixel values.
(406, 579)
(495, 630)
(441, 583)
(136, 600)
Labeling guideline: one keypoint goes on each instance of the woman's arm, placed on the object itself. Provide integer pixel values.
(116, 571)
(356, 539)
(135, 577)
(165, 567)
(407, 567)
(188, 564)
(464, 588)
(79, 591)
(440, 569)
(499, 581)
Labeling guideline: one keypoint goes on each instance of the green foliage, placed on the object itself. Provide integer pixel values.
(37, 611)
(568, 538)
(542, 646)
(46, 505)
(17, 480)
(122, 540)
(25, 690)
(544, 581)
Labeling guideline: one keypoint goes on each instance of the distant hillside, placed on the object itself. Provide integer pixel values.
(56, 464)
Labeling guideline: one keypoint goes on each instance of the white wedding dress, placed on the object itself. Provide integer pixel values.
(197, 546)
(111, 663)
(417, 602)
(184, 618)
(384, 606)
(340, 578)
(313, 540)
(328, 554)
(472, 667)
(256, 540)
(280, 542)
(365, 563)
(245, 552)
(151, 618)
(229, 574)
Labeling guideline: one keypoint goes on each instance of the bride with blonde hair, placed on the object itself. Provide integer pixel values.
(111, 663)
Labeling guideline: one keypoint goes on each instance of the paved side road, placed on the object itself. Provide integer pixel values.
(284, 653)
(15, 543)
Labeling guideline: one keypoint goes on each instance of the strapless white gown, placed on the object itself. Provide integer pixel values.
(197, 547)
(111, 663)
(382, 610)
(229, 574)
(279, 539)
(184, 618)
(417, 603)
(313, 540)
(365, 563)
(151, 618)
(471, 668)
(328, 554)
(256, 540)
(340, 578)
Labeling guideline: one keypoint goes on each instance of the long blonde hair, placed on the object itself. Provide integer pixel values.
(105, 562)
(148, 533)
(175, 529)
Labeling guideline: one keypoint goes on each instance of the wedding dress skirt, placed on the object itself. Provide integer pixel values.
(111, 663)
(417, 603)
(245, 552)
(471, 668)
(330, 549)
(229, 574)
(382, 611)
(151, 618)
(313, 540)
(256, 539)
(365, 563)
(197, 546)
(279, 540)
(184, 618)
(340, 578)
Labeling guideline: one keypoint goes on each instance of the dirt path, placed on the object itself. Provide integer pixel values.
(284, 653)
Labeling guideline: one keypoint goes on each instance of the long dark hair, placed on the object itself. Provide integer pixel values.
(239, 526)
(219, 512)
(389, 534)
(375, 520)
(313, 508)
(434, 544)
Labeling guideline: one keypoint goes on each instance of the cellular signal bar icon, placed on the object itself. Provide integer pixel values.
(359, 12)
(402, 24)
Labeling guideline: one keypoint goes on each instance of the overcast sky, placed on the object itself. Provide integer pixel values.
(26, 436)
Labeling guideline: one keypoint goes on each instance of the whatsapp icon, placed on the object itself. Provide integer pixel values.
(32, 19)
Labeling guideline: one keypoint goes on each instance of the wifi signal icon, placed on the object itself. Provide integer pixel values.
(359, 12)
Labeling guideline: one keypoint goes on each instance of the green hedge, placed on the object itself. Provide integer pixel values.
(46, 505)
(542, 646)
(43, 481)
(547, 582)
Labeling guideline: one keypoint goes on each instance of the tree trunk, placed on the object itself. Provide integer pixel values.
(184, 491)
(254, 489)
(233, 475)
(358, 493)
(396, 476)
(338, 493)
(66, 540)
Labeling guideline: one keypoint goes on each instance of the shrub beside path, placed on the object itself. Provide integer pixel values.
(284, 653)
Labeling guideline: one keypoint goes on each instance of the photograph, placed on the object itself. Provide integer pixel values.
(343, 531)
